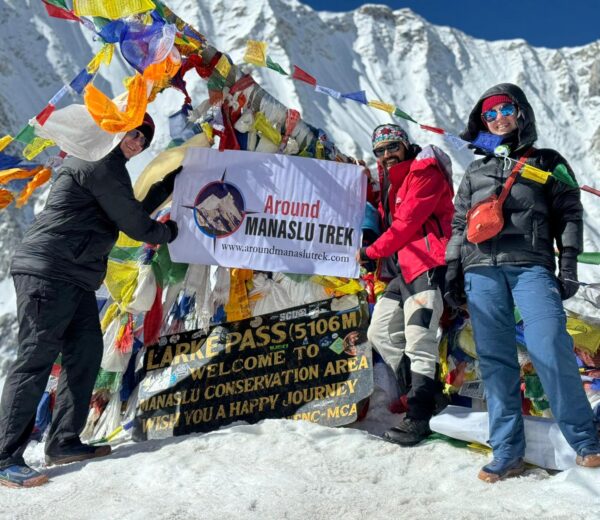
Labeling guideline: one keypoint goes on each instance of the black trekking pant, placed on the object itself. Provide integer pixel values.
(55, 317)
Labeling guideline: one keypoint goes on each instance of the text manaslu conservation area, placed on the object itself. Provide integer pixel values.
(311, 362)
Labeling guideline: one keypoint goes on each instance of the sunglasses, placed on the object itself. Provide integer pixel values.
(136, 134)
(392, 147)
(506, 110)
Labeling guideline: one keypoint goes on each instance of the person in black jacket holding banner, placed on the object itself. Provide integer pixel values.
(61, 261)
(516, 268)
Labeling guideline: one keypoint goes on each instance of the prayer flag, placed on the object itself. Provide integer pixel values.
(456, 142)
(80, 81)
(487, 142)
(43, 116)
(380, 105)
(8, 161)
(433, 129)
(329, 91)
(223, 66)
(562, 174)
(275, 66)
(360, 96)
(26, 135)
(403, 115)
(534, 174)
(301, 75)
(57, 9)
(112, 9)
(5, 141)
(256, 53)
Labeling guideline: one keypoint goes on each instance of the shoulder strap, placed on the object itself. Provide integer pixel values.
(513, 175)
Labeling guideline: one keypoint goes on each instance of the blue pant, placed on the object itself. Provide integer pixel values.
(492, 293)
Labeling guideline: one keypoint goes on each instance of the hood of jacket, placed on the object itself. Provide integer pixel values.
(526, 132)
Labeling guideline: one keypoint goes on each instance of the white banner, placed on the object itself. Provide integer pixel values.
(268, 212)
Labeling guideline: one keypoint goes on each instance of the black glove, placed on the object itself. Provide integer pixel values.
(173, 229)
(168, 180)
(567, 278)
(454, 290)
(160, 191)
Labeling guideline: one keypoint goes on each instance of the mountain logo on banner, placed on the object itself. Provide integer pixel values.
(219, 209)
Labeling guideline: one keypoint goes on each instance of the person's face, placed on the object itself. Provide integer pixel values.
(133, 143)
(501, 119)
(389, 153)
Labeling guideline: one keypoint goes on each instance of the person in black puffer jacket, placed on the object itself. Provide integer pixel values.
(61, 261)
(516, 267)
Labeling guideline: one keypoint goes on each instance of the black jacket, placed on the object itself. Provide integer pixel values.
(89, 203)
(535, 215)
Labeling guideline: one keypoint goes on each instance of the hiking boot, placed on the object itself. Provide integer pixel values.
(74, 450)
(409, 432)
(500, 469)
(589, 458)
(21, 476)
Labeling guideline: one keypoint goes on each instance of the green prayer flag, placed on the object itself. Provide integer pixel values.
(403, 115)
(26, 135)
(589, 258)
(165, 270)
(275, 66)
(59, 3)
(216, 82)
(562, 174)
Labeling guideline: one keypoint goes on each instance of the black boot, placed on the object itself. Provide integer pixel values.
(73, 450)
(409, 432)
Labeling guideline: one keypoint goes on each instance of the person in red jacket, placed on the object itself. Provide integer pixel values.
(416, 211)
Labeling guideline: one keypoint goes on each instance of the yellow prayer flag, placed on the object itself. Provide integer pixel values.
(35, 147)
(223, 66)
(380, 105)
(5, 141)
(256, 53)
(535, 174)
(263, 125)
(112, 9)
(103, 56)
(208, 131)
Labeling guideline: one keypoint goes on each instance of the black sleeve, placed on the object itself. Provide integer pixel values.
(114, 193)
(566, 210)
(462, 204)
(156, 196)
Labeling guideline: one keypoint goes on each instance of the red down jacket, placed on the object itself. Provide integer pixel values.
(417, 225)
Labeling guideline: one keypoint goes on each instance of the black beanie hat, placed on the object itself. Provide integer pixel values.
(147, 128)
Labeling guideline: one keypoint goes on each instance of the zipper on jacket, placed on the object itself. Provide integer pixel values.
(426, 239)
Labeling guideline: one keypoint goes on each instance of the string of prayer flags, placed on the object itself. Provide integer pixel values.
(106, 113)
(301, 75)
(14, 174)
(256, 53)
(42, 176)
(103, 56)
(6, 198)
(535, 174)
(456, 142)
(380, 105)
(562, 174)
(433, 129)
(111, 9)
(26, 135)
(59, 9)
(589, 189)
(360, 96)
(403, 115)
(36, 147)
(488, 142)
(8, 161)
(5, 141)
(81, 81)
(275, 66)
(329, 91)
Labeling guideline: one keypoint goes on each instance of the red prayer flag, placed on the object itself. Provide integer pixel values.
(43, 116)
(303, 76)
(433, 129)
(589, 189)
(57, 12)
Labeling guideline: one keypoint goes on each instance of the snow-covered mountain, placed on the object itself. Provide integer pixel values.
(433, 73)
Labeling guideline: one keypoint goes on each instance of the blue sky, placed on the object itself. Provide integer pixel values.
(543, 23)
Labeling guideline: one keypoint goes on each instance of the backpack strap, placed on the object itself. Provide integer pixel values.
(513, 176)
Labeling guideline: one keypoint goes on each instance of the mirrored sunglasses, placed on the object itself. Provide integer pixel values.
(506, 110)
(136, 134)
(392, 147)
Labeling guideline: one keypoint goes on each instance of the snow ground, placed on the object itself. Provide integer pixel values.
(297, 470)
